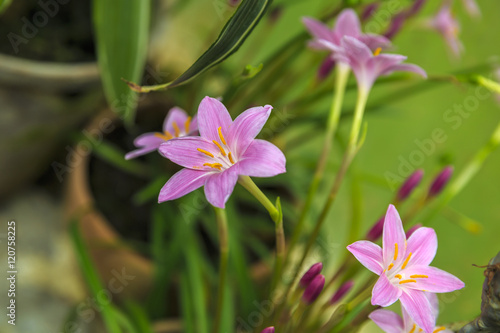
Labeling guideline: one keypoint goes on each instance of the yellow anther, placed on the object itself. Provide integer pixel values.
(220, 148)
(230, 158)
(406, 261)
(398, 276)
(377, 51)
(217, 166)
(165, 136)
(439, 329)
(176, 129)
(413, 328)
(395, 251)
(205, 152)
(221, 136)
(408, 281)
(391, 265)
(187, 124)
(417, 276)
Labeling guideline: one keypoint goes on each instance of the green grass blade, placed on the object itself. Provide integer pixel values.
(4, 4)
(92, 279)
(121, 29)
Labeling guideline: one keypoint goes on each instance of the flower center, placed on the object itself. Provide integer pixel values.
(223, 158)
(396, 276)
(414, 329)
(177, 131)
(377, 51)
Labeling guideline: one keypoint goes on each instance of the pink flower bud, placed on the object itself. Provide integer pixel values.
(413, 229)
(326, 68)
(440, 181)
(268, 330)
(376, 231)
(314, 289)
(311, 273)
(342, 291)
(368, 11)
(409, 185)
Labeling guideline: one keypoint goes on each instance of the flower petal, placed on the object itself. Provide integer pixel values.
(388, 321)
(318, 30)
(393, 234)
(182, 183)
(246, 127)
(220, 185)
(175, 115)
(374, 41)
(356, 50)
(437, 281)
(368, 254)
(418, 307)
(347, 24)
(184, 151)
(262, 159)
(384, 293)
(193, 126)
(406, 68)
(423, 246)
(148, 143)
(212, 114)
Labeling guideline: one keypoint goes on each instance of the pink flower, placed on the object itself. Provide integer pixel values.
(391, 322)
(347, 25)
(472, 8)
(223, 151)
(404, 269)
(448, 27)
(177, 124)
(368, 66)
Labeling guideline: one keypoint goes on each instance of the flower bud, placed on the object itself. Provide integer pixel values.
(409, 185)
(376, 231)
(368, 11)
(311, 273)
(268, 330)
(396, 24)
(342, 291)
(234, 3)
(416, 7)
(413, 229)
(326, 68)
(314, 289)
(440, 181)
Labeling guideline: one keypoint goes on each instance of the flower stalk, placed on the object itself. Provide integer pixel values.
(221, 217)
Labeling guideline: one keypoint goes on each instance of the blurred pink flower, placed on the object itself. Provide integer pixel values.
(177, 124)
(444, 23)
(224, 150)
(472, 8)
(403, 267)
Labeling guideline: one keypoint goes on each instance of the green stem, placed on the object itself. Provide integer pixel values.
(250, 186)
(221, 218)
(351, 150)
(342, 74)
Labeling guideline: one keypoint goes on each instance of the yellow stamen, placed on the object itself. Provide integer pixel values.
(217, 166)
(221, 136)
(439, 329)
(165, 136)
(391, 265)
(395, 251)
(187, 124)
(220, 148)
(377, 51)
(417, 276)
(406, 261)
(205, 152)
(413, 328)
(176, 129)
(398, 276)
(407, 281)
(230, 158)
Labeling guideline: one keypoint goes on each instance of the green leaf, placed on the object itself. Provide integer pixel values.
(232, 36)
(92, 279)
(121, 29)
(4, 4)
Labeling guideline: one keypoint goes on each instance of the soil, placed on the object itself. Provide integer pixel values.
(48, 30)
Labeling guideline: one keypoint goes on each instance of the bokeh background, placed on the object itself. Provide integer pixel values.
(39, 114)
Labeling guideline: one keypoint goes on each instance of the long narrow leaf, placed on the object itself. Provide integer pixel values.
(232, 36)
(121, 29)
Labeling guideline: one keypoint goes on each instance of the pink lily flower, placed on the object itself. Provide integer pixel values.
(472, 8)
(391, 322)
(177, 124)
(347, 25)
(224, 150)
(368, 66)
(448, 27)
(403, 266)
